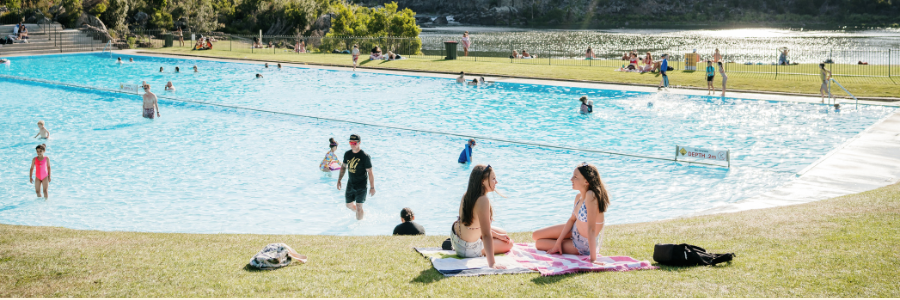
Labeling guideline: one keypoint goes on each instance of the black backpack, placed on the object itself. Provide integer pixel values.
(687, 255)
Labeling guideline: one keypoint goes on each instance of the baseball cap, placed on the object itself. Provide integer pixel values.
(354, 137)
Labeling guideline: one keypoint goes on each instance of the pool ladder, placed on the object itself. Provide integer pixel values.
(845, 90)
(107, 48)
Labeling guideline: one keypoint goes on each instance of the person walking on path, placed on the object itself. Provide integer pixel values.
(408, 227)
(150, 102)
(355, 54)
(466, 155)
(826, 75)
(724, 77)
(466, 43)
(662, 70)
(710, 76)
(359, 165)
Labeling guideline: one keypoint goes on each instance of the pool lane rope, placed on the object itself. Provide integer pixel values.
(466, 136)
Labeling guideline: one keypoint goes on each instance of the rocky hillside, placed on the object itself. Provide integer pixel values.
(636, 13)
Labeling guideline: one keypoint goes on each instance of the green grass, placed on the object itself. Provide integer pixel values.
(566, 70)
(843, 247)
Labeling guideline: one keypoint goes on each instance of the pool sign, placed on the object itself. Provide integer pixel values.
(700, 153)
(128, 87)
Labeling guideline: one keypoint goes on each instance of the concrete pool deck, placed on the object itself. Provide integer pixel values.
(867, 161)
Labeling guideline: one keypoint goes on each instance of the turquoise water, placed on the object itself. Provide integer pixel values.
(207, 169)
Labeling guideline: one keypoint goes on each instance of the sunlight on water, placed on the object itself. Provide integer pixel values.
(208, 169)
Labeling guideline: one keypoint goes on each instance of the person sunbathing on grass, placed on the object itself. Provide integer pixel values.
(472, 234)
(580, 234)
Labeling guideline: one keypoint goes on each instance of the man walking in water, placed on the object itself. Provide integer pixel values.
(150, 102)
(359, 164)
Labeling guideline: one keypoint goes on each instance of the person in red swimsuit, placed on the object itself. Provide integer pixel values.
(40, 167)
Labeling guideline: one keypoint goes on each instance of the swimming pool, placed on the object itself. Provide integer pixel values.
(208, 169)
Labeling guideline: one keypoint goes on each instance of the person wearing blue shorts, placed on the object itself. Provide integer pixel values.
(662, 70)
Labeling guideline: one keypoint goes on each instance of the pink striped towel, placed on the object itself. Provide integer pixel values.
(555, 264)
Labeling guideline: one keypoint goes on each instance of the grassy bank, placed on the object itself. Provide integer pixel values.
(758, 82)
(842, 247)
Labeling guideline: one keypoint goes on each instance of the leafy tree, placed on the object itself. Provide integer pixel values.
(161, 19)
(73, 12)
(396, 30)
(115, 14)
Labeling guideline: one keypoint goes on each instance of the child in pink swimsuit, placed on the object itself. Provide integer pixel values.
(40, 167)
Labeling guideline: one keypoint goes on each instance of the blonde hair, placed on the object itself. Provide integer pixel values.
(41, 122)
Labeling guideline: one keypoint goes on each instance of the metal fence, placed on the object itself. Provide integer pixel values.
(798, 64)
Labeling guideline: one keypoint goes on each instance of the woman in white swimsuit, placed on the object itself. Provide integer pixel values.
(724, 77)
(581, 233)
(473, 227)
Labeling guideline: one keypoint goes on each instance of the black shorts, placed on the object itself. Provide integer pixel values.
(710, 78)
(356, 194)
(663, 73)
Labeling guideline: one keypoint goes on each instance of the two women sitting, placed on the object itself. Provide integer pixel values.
(524, 55)
(203, 44)
(473, 235)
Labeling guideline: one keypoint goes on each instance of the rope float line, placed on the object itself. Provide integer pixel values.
(366, 124)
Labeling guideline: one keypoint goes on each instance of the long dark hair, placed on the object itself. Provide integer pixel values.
(595, 184)
(332, 143)
(406, 214)
(474, 191)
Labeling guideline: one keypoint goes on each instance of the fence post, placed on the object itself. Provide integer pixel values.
(889, 63)
(776, 64)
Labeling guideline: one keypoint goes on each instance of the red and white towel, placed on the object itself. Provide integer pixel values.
(555, 264)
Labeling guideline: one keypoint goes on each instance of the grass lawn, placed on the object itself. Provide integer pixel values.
(843, 247)
(557, 69)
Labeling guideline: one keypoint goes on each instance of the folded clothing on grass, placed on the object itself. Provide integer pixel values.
(449, 264)
(555, 264)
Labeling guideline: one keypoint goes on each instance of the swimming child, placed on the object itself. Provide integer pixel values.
(474, 82)
(710, 75)
(331, 161)
(587, 106)
(40, 167)
(119, 61)
(195, 69)
(279, 66)
(826, 75)
(259, 75)
(170, 87)
(466, 155)
(580, 234)
(461, 78)
(131, 59)
(355, 54)
(42, 132)
(837, 107)
(177, 70)
(160, 69)
(267, 65)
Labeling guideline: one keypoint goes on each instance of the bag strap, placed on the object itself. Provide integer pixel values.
(720, 258)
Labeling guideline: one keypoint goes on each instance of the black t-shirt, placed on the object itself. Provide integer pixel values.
(409, 228)
(356, 164)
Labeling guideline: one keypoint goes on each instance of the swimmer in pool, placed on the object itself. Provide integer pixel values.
(267, 65)
(40, 168)
(42, 131)
(461, 78)
(177, 70)
(837, 107)
(331, 159)
(160, 69)
(474, 82)
(151, 104)
(259, 75)
(195, 69)
(587, 106)
(170, 87)
(279, 66)
(130, 59)
(119, 61)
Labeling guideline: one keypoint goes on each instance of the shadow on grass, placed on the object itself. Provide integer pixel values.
(688, 268)
(544, 280)
(429, 275)
(252, 269)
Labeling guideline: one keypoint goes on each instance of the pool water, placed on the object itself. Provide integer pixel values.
(210, 169)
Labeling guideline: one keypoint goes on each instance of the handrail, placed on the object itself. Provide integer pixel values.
(109, 45)
(846, 91)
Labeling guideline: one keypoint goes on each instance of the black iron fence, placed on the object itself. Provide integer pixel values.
(799, 64)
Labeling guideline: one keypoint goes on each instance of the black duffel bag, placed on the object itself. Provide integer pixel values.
(687, 255)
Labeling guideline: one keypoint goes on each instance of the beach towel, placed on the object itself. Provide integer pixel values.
(449, 264)
(555, 264)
